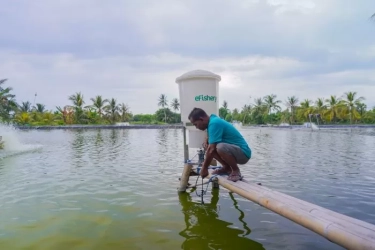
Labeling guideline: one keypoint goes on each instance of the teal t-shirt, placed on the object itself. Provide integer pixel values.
(220, 130)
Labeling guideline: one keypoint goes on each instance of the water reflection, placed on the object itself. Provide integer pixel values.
(114, 136)
(78, 146)
(205, 230)
(163, 149)
(99, 138)
(78, 142)
(162, 137)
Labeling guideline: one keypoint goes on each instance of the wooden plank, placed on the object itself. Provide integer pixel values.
(343, 230)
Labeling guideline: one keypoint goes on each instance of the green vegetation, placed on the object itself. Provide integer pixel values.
(347, 109)
(98, 111)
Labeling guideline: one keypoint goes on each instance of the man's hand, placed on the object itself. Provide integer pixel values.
(205, 145)
(204, 172)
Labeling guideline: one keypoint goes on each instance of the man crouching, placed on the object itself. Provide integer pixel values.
(225, 144)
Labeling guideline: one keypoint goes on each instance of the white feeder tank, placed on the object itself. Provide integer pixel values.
(198, 89)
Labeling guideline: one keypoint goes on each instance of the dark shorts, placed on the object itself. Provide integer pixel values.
(233, 150)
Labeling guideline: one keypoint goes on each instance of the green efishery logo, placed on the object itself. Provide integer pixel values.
(205, 98)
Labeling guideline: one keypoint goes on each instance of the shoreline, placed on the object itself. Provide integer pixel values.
(344, 126)
(99, 127)
(180, 126)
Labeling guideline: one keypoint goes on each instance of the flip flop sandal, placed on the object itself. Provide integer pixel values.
(235, 177)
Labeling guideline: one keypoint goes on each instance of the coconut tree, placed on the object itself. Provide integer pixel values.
(292, 103)
(361, 109)
(175, 105)
(305, 109)
(271, 103)
(351, 100)
(258, 110)
(78, 102)
(40, 108)
(163, 102)
(224, 111)
(235, 114)
(320, 107)
(25, 107)
(125, 112)
(225, 105)
(112, 110)
(98, 103)
(334, 105)
(22, 118)
(77, 99)
(8, 104)
(246, 112)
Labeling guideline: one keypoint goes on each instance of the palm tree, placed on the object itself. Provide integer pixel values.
(292, 103)
(78, 102)
(350, 102)
(125, 112)
(258, 110)
(113, 110)
(271, 103)
(7, 102)
(175, 104)
(40, 108)
(306, 109)
(225, 105)
(246, 111)
(361, 109)
(99, 103)
(163, 103)
(333, 104)
(320, 107)
(25, 107)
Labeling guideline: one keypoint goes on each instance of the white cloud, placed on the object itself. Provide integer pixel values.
(134, 50)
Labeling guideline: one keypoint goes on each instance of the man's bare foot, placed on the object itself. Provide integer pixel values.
(221, 171)
(235, 176)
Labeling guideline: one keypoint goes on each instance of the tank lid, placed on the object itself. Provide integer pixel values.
(197, 74)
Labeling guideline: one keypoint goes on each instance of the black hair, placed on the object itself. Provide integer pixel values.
(197, 113)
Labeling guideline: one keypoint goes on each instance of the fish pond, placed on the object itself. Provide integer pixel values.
(117, 189)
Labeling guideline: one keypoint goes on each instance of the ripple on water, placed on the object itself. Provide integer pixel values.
(115, 188)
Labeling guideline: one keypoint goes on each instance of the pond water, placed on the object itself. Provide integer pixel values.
(117, 189)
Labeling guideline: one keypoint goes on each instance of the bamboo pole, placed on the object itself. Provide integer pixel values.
(186, 148)
(185, 177)
(343, 230)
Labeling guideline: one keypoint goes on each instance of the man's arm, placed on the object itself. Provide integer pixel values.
(215, 135)
(209, 155)
(205, 143)
(207, 161)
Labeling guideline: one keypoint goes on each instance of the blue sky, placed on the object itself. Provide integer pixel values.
(134, 50)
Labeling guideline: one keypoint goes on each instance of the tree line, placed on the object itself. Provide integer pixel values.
(98, 110)
(346, 109)
(349, 108)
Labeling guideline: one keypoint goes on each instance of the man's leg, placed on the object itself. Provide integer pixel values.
(232, 155)
(225, 167)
